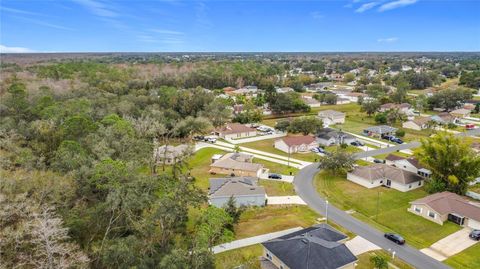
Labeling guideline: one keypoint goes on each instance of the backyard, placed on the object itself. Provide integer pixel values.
(277, 188)
(267, 146)
(391, 213)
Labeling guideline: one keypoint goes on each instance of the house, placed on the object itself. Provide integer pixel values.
(246, 90)
(335, 77)
(461, 113)
(443, 206)
(294, 144)
(284, 90)
(403, 108)
(311, 102)
(318, 86)
(443, 118)
(235, 130)
(238, 164)
(331, 117)
(409, 164)
(319, 247)
(419, 123)
(343, 101)
(328, 137)
(244, 190)
(169, 154)
(385, 175)
(228, 89)
(237, 109)
(378, 131)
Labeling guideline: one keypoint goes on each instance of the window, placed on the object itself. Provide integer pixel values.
(431, 214)
(410, 186)
(418, 209)
(419, 183)
(268, 256)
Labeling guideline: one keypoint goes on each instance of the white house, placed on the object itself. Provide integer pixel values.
(381, 174)
(403, 108)
(410, 164)
(419, 123)
(330, 117)
(235, 130)
(294, 144)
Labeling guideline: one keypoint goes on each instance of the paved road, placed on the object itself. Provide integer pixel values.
(306, 190)
(375, 152)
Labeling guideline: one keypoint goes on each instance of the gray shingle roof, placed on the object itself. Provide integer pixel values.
(315, 247)
(235, 186)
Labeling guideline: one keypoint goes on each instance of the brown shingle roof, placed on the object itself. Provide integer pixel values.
(236, 161)
(234, 128)
(448, 202)
(383, 171)
(298, 140)
(421, 120)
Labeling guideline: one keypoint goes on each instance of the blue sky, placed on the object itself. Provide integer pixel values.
(171, 25)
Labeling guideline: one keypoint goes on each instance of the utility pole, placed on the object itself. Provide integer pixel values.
(378, 204)
(326, 211)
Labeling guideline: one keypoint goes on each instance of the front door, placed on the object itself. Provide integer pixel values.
(389, 182)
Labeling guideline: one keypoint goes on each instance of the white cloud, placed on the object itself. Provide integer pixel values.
(396, 4)
(317, 15)
(98, 8)
(166, 32)
(5, 49)
(366, 7)
(44, 23)
(18, 11)
(387, 40)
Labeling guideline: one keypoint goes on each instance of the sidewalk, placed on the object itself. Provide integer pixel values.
(285, 200)
(252, 240)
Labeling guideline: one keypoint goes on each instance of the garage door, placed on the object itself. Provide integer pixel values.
(474, 224)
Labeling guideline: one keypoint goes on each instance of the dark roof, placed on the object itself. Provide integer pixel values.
(315, 247)
(327, 133)
(235, 186)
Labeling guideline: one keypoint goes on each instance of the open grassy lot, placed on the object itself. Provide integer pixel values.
(199, 166)
(277, 168)
(277, 188)
(398, 153)
(475, 188)
(267, 146)
(392, 209)
(246, 257)
(364, 260)
(467, 259)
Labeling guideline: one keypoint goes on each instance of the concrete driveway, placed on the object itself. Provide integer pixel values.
(450, 245)
(285, 200)
(359, 245)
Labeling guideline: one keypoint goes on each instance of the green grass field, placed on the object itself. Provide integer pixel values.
(277, 188)
(467, 259)
(277, 168)
(267, 146)
(365, 263)
(392, 209)
(199, 165)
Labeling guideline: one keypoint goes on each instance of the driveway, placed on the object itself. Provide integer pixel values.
(285, 178)
(359, 245)
(450, 245)
(252, 240)
(285, 200)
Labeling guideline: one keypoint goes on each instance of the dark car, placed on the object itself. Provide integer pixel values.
(475, 235)
(395, 238)
(199, 137)
(274, 176)
(397, 140)
(386, 137)
(357, 144)
(378, 161)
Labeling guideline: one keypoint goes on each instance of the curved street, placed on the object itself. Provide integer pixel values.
(304, 186)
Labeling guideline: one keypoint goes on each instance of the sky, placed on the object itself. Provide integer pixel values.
(239, 26)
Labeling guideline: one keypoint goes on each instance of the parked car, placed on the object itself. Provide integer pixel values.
(397, 140)
(475, 235)
(386, 137)
(470, 126)
(395, 238)
(315, 150)
(274, 176)
(378, 161)
(357, 144)
(199, 138)
(321, 150)
(210, 139)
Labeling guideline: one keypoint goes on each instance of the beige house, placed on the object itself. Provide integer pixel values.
(294, 144)
(461, 113)
(311, 102)
(237, 164)
(235, 130)
(331, 117)
(171, 154)
(319, 246)
(385, 175)
(404, 108)
(419, 123)
(443, 206)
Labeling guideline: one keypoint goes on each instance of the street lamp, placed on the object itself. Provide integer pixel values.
(326, 211)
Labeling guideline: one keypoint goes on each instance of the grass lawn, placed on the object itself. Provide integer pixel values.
(364, 260)
(467, 259)
(398, 153)
(276, 168)
(200, 164)
(277, 188)
(246, 257)
(392, 211)
(267, 146)
(475, 188)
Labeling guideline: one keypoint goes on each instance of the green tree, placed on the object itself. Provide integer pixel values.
(305, 125)
(370, 107)
(379, 262)
(338, 161)
(452, 161)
